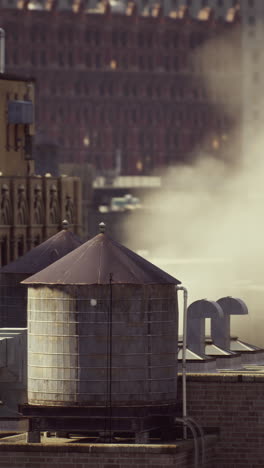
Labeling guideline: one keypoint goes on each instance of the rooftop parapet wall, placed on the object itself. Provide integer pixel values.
(71, 455)
(233, 403)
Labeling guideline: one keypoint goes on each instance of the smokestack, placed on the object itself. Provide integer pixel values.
(2, 50)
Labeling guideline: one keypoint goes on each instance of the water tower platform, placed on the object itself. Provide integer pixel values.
(105, 421)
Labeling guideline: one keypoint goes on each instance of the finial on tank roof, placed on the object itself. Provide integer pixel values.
(102, 227)
(65, 224)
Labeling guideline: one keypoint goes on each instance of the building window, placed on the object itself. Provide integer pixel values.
(251, 20)
(77, 88)
(134, 90)
(43, 60)
(173, 92)
(110, 89)
(102, 116)
(149, 91)
(150, 63)
(150, 40)
(251, 3)
(114, 38)
(78, 117)
(97, 38)
(102, 89)
(61, 112)
(124, 62)
(134, 116)
(98, 60)
(88, 61)
(70, 35)
(33, 34)
(141, 62)
(166, 62)
(141, 39)
(15, 57)
(70, 59)
(87, 36)
(61, 59)
(175, 40)
(123, 38)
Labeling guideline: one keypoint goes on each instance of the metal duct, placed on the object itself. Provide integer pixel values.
(197, 312)
(220, 327)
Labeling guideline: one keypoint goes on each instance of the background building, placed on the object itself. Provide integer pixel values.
(252, 17)
(120, 87)
(32, 207)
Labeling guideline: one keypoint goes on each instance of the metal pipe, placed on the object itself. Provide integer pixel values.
(186, 423)
(2, 50)
(184, 345)
(201, 432)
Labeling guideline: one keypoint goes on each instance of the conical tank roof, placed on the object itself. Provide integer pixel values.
(44, 254)
(96, 260)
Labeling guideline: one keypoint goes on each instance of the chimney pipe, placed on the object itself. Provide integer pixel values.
(2, 50)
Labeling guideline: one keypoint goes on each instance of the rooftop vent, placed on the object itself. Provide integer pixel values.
(198, 311)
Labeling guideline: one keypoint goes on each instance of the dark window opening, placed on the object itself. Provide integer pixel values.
(141, 62)
(20, 247)
(98, 60)
(88, 60)
(70, 59)
(4, 256)
(43, 57)
(97, 38)
(87, 36)
(61, 59)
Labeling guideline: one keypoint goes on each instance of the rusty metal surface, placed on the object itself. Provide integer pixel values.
(94, 261)
(44, 254)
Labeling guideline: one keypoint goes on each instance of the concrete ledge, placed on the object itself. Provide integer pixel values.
(12, 439)
(222, 377)
(63, 446)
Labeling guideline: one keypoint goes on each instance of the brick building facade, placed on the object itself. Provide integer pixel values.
(121, 90)
(32, 207)
(228, 405)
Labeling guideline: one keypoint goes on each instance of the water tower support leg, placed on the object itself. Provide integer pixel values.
(142, 437)
(33, 437)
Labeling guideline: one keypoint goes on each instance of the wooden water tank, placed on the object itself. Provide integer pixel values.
(71, 306)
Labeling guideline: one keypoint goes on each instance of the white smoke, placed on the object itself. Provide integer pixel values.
(208, 230)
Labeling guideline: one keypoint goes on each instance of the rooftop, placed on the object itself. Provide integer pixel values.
(44, 254)
(102, 260)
